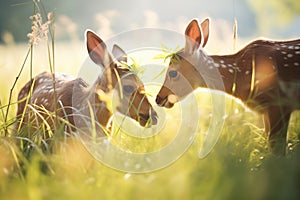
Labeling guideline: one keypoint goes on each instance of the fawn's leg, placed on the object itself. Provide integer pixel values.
(276, 124)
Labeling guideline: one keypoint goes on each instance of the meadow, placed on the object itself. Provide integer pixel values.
(239, 166)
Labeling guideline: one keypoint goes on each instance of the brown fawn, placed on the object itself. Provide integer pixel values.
(75, 101)
(265, 75)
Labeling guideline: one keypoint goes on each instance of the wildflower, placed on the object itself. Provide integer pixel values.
(39, 30)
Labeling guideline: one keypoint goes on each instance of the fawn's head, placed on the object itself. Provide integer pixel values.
(129, 97)
(182, 77)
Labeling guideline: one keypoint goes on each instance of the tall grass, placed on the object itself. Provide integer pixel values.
(239, 167)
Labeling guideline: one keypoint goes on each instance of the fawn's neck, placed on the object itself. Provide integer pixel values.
(229, 74)
(86, 98)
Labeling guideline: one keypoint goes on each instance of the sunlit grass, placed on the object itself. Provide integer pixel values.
(239, 167)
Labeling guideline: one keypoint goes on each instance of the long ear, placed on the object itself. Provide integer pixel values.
(192, 37)
(205, 31)
(97, 49)
(119, 54)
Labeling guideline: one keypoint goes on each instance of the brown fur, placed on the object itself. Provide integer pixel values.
(73, 98)
(265, 75)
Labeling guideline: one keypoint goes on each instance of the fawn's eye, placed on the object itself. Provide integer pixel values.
(128, 89)
(173, 73)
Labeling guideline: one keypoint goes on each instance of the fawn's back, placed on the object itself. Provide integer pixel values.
(269, 73)
(62, 99)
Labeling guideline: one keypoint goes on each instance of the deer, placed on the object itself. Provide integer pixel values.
(264, 75)
(75, 100)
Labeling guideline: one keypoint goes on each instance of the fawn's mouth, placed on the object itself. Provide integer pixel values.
(164, 102)
(147, 120)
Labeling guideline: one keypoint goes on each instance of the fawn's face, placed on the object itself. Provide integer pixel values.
(182, 77)
(129, 95)
(130, 98)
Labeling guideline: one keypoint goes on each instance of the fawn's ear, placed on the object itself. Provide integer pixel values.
(119, 54)
(205, 31)
(192, 37)
(97, 49)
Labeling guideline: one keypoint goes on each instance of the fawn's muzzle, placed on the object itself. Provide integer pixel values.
(164, 102)
(148, 119)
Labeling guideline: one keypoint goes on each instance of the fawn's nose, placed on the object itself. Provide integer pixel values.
(144, 118)
(154, 117)
(159, 100)
(164, 102)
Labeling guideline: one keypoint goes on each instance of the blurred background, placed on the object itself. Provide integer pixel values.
(272, 19)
